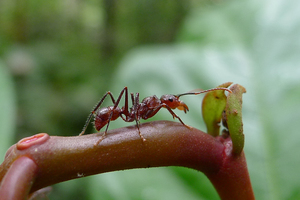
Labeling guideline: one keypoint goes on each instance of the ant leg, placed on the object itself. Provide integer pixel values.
(134, 111)
(125, 110)
(94, 110)
(174, 115)
(138, 126)
(136, 103)
(132, 99)
(100, 140)
(170, 111)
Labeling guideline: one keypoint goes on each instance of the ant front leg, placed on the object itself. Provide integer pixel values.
(95, 109)
(163, 105)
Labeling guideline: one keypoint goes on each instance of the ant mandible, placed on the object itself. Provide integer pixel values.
(144, 110)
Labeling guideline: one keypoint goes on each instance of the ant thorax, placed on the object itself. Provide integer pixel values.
(151, 102)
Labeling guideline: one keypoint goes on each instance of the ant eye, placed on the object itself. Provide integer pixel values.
(171, 100)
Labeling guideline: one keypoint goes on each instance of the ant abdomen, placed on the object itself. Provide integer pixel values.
(102, 116)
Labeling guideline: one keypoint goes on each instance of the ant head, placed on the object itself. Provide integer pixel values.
(173, 102)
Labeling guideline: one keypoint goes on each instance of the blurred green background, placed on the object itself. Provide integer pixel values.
(57, 59)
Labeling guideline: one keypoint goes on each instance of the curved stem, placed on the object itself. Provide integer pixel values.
(167, 144)
(232, 181)
(18, 180)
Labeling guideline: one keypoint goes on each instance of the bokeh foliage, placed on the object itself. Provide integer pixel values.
(64, 55)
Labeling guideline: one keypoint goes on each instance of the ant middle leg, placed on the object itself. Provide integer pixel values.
(133, 114)
(138, 127)
(136, 103)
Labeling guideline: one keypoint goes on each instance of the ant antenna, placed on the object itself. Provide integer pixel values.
(204, 91)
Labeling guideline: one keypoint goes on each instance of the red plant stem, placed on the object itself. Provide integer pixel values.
(18, 180)
(167, 144)
(232, 181)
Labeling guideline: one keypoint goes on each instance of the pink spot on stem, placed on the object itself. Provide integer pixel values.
(27, 142)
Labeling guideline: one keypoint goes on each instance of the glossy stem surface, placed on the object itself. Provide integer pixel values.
(18, 180)
(167, 144)
(232, 181)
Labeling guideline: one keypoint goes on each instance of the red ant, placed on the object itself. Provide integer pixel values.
(144, 110)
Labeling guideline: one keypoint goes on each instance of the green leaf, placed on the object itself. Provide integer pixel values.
(213, 105)
(233, 112)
